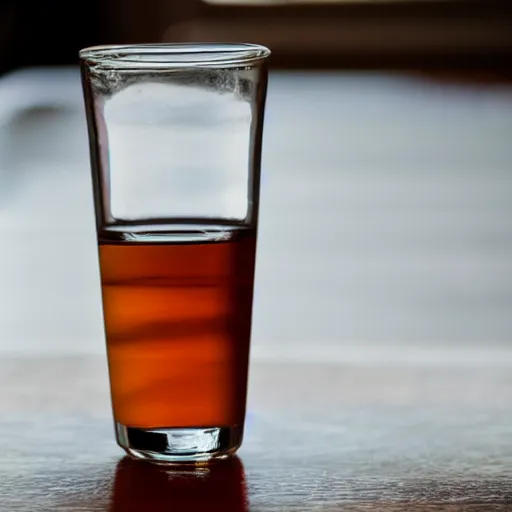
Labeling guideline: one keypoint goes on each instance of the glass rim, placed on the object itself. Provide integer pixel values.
(174, 55)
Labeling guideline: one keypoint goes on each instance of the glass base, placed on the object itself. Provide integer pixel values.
(178, 445)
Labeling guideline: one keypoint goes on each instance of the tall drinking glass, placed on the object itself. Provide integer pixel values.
(175, 141)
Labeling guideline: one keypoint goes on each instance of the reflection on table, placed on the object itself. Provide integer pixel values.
(140, 486)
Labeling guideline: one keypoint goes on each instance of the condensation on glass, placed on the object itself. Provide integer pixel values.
(175, 137)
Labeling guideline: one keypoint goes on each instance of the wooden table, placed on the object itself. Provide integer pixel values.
(361, 437)
(389, 197)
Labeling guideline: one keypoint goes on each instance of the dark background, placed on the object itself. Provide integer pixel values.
(449, 34)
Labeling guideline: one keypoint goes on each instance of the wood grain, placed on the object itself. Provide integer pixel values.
(319, 437)
(413, 178)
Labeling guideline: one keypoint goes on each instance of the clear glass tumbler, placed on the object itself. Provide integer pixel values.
(175, 141)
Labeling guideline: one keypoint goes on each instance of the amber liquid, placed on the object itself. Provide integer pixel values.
(177, 320)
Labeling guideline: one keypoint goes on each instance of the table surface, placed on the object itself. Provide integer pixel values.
(381, 376)
(319, 437)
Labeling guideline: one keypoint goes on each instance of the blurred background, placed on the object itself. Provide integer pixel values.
(386, 206)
